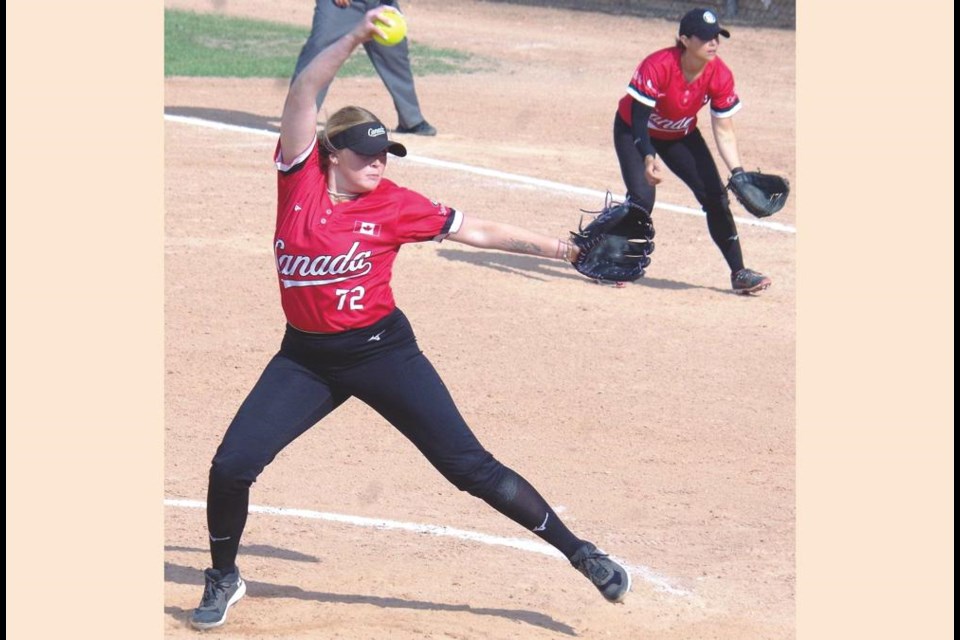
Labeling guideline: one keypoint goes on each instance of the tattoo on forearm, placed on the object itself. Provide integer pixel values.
(521, 246)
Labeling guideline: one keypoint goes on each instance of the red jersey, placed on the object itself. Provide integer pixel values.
(335, 261)
(658, 83)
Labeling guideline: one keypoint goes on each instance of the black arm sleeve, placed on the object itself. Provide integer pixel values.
(641, 136)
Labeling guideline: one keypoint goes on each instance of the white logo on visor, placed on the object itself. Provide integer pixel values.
(373, 133)
(709, 18)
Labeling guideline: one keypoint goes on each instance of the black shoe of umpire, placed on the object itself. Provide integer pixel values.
(422, 129)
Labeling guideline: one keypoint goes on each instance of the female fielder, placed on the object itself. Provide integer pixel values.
(339, 227)
(658, 116)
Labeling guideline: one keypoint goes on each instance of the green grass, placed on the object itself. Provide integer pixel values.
(208, 45)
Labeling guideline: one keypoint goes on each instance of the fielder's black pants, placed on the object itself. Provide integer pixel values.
(690, 159)
(382, 366)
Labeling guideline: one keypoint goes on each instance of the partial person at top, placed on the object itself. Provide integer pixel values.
(656, 122)
(333, 19)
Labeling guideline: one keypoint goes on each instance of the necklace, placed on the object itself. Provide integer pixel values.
(342, 196)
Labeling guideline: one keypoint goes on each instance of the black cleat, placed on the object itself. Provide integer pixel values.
(612, 579)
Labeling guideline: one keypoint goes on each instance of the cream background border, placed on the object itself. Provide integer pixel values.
(84, 319)
(875, 325)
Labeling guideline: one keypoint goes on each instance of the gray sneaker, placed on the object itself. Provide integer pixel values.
(749, 281)
(608, 576)
(219, 594)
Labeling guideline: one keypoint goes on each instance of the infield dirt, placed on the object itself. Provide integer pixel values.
(659, 417)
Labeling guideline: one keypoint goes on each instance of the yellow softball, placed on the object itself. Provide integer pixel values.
(394, 34)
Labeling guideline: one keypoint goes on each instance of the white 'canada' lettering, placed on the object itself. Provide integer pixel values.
(345, 266)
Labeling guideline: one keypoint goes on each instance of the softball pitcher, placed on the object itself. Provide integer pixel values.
(339, 227)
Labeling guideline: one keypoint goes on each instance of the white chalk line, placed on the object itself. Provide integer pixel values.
(660, 583)
(493, 173)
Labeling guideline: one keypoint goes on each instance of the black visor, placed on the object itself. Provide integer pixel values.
(368, 139)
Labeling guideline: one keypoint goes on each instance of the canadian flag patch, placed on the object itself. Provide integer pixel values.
(366, 228)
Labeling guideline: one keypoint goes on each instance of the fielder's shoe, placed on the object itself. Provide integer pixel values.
(219, 594)
(609, 577)
(422, 129)
(749, 281)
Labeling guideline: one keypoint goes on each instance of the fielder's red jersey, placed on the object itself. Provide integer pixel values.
(335, 261)
(658, 82)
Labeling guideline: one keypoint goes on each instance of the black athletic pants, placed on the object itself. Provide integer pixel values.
(690, 159)
(382, 366)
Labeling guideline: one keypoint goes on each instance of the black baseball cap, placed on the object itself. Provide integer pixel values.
(368, 139)
(702, 23)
